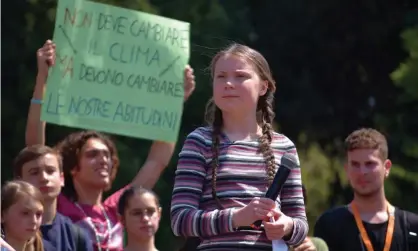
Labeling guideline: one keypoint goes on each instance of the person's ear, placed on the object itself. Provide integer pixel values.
(62, 180)
(263, 88)
(387, 165)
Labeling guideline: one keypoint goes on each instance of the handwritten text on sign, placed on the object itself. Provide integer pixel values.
(117, 70)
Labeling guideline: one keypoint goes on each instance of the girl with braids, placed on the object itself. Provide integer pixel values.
(224, 170)
(21, 216)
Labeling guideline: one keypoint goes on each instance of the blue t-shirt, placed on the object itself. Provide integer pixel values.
(63, 235)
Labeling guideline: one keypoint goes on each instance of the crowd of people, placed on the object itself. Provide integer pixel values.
(55, 201)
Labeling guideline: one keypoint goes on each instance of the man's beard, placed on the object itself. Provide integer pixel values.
(368, 194)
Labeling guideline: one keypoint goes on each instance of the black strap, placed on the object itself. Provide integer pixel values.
(406, 229)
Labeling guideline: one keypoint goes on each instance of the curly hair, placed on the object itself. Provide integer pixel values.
(70, 148)
(367, 138)
(265, 113)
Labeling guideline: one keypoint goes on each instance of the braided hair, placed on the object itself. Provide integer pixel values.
(265, 113)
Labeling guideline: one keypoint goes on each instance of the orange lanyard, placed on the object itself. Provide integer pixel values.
(363, 233)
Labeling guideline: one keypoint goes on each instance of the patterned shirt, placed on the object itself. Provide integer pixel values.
(241, 176)
(93, 220)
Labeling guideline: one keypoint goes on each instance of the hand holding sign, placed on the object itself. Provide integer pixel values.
(189, 83)
(281, 226)
(45, 58)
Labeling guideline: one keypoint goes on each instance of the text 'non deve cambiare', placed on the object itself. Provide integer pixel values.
(127, 26)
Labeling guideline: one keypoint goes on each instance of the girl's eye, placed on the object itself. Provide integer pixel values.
(34, 173)
(243, 75)
(148, 212)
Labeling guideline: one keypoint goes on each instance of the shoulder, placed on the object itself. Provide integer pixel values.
(201, 133)
(69, 233)
(411, 218)
(62, 219)
(72, 229)
(281, 144)
(48, 246)
(280, 141)
(333, 215)
(66, 223)
(200, 137)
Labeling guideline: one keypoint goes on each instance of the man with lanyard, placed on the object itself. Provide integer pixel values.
(369, 222)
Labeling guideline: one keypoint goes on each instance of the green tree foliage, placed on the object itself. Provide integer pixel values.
(406, 75)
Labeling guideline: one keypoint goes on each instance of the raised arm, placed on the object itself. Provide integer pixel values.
(186, 217)
(161, 152)
(35, 128)
(292, 204)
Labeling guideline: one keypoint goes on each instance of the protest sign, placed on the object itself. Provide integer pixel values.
(117, 70)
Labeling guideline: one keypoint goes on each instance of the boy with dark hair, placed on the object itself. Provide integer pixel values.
(41, 166)
(369, 222)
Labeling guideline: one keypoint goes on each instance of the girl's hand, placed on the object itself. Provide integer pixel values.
(281, 227)
(257, 209)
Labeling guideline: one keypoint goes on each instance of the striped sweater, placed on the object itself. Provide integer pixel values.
(241, 177)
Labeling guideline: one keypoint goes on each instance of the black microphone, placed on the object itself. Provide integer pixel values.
(288, 162)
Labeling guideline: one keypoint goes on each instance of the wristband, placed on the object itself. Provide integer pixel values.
(36, 101)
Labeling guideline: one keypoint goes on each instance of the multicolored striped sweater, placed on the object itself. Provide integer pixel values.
(241, 176)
